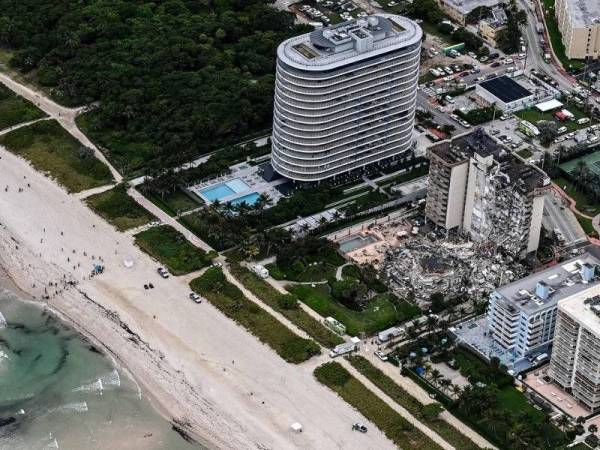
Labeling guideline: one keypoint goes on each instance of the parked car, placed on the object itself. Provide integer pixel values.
(359, 427)
(163, 272)
(195, 297)
(381, 355)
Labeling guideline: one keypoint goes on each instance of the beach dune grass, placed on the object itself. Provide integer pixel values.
(119, 209)
(449, 433)
(286, 304)
(52, 150)
(167, 245)
(388, 420)
(231, 301)
(14, 109)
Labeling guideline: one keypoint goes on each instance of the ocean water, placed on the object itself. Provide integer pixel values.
(58, 391)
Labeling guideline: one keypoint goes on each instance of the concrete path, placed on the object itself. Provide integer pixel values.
(97, 190)
(64, 116)
(339, 270)
(168, 220)
(21, 125)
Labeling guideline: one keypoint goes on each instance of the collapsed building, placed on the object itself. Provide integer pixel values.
(477, 187)
(455, 266)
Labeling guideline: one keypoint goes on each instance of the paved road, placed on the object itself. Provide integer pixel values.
(563, 219)
(534, 49)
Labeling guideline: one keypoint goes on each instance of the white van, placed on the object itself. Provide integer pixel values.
(583, 121)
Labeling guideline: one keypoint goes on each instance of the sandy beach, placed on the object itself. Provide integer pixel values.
(218, 382)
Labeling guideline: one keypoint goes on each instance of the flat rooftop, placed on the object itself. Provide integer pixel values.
(564, 280)
(584, 13)
(350, 41)
(460, 148)
(466, 6)
(585, 308)
(505, 89)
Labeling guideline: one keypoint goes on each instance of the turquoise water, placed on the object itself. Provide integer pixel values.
(58, 391)
(221, 190)
(250, 199)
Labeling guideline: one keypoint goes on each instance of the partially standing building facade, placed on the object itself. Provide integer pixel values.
(477, 187)
(345, 98)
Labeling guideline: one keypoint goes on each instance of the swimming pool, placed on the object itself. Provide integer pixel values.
(226, 189)
(352, 243)
(250, 199)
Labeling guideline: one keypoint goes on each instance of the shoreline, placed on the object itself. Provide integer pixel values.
(8, 282)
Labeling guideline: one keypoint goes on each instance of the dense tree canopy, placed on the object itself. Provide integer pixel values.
(172, 78)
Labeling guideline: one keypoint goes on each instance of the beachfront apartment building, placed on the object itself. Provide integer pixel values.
(579, 25)
(345, 98)
(477, 187)
(522, 315)
(575, 362)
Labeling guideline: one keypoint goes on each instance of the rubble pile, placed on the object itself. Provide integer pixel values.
(431, 263)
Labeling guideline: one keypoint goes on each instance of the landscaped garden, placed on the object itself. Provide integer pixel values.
(15, 109)
(231, 301)
(382, 311)
(171, 248)
(393, 425)
(286, 305)
(52, 150)
(119, 209)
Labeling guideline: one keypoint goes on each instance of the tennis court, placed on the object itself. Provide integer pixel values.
(592, 162)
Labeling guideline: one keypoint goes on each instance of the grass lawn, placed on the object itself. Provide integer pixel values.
(390, 422)
(556, 38)
(119, 209)
(231, 301)
(315, 269)
(286, 305)
(583, 203)
(51, 149)
(410, 403)
(533, 116)
(175, 203)
(381, 313)
(15, 109)
(587, 226)
(167, 245)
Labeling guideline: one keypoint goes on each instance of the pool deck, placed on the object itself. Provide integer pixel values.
(250, 176)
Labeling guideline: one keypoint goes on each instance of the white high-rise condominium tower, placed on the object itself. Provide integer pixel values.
(345, 97)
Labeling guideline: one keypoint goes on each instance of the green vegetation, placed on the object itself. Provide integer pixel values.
(119, 209)
(480, 115)
(525, 153)
(508, 38)
(381, 312)
(171, 248)
(556, 38)
(534, 116)
(583, 202)
(173, 203)
(587, 226)
(414, 172)
(15, 109)
(307, 259)
(478, 371)
(411, 404)
(171, 79)
(225, 226)
(51, 149)
(393, 425)
(231, 301)
(286, 305)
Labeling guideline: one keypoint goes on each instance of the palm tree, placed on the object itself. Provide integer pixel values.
(445, 384)
(435, 377)
(563, 423)
(456, 390)
(593, 428)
